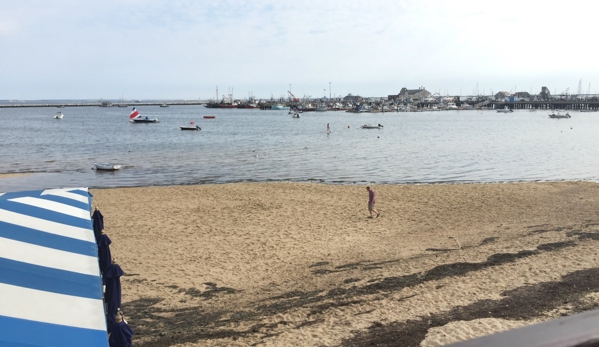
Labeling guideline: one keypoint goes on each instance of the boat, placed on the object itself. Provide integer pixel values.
(145, 120)
(209, 117)
(559, 115)
(248, 105)
(223, 105)
(296, 115)
(164, 104)
(588, 110)
(191, 126)
(452, 106)
(106, 167)
(58, 115)
(135, 117)
(505, 110)
(279, 107)
(321, 108)
(371, 126)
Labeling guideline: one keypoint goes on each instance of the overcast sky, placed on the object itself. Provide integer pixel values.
(170, 49)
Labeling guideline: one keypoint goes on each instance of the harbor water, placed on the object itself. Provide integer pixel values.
(256, 146)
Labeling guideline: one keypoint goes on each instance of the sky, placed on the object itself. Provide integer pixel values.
(175, 49)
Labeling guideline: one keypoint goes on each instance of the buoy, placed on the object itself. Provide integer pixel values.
(348, 126)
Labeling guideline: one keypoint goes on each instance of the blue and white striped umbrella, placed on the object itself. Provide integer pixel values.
(50, 284)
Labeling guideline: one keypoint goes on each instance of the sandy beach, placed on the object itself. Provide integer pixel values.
(300, 264)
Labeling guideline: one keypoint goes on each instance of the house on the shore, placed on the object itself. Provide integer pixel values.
(502, 96)
(410, 95)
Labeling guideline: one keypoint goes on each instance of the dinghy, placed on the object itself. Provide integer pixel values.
(371, 126)
(191, 126)
(106, 167)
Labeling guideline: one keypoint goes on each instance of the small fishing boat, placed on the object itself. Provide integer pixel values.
(191, 126)
(371, 126)
(58, 115)
(209, 117)
(106, 167)
(164, 104)
(296, 115)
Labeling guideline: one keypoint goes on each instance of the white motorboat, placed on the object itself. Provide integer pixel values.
(191, 126)
(296, 115)
(106, 167)
(371, 126)
(559, 115)
(58, 115)
(505, 110)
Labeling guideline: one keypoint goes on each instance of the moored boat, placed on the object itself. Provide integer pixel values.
(279, 107)
(106, 167)
(135, 117)
(371, 126)
(559, 115)
(145, 120)
(58, 115)
(321, 108)
(191, 126)
(209, 117)
(248, 105)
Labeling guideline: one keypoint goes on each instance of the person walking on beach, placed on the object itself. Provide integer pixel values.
(372, 202)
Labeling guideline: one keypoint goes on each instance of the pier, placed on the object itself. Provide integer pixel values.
(591, 105)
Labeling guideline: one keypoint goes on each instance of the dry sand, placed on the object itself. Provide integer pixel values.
(289, 264)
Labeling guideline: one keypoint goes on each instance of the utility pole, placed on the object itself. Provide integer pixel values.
(329, 90)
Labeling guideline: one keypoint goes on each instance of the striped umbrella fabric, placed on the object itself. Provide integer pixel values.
(50, 283)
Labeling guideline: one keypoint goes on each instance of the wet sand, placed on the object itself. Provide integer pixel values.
(11, 175)
(289, 264)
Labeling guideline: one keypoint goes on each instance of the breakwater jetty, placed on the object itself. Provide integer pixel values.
(100, 104)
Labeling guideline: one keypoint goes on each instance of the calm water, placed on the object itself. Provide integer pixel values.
(254, 145)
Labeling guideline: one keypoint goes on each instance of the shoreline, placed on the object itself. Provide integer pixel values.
(26, 185)
(301, 264)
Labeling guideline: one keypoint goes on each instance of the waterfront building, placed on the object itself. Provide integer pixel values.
(410, 95)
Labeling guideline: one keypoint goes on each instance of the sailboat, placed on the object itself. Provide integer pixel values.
(135, 117)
